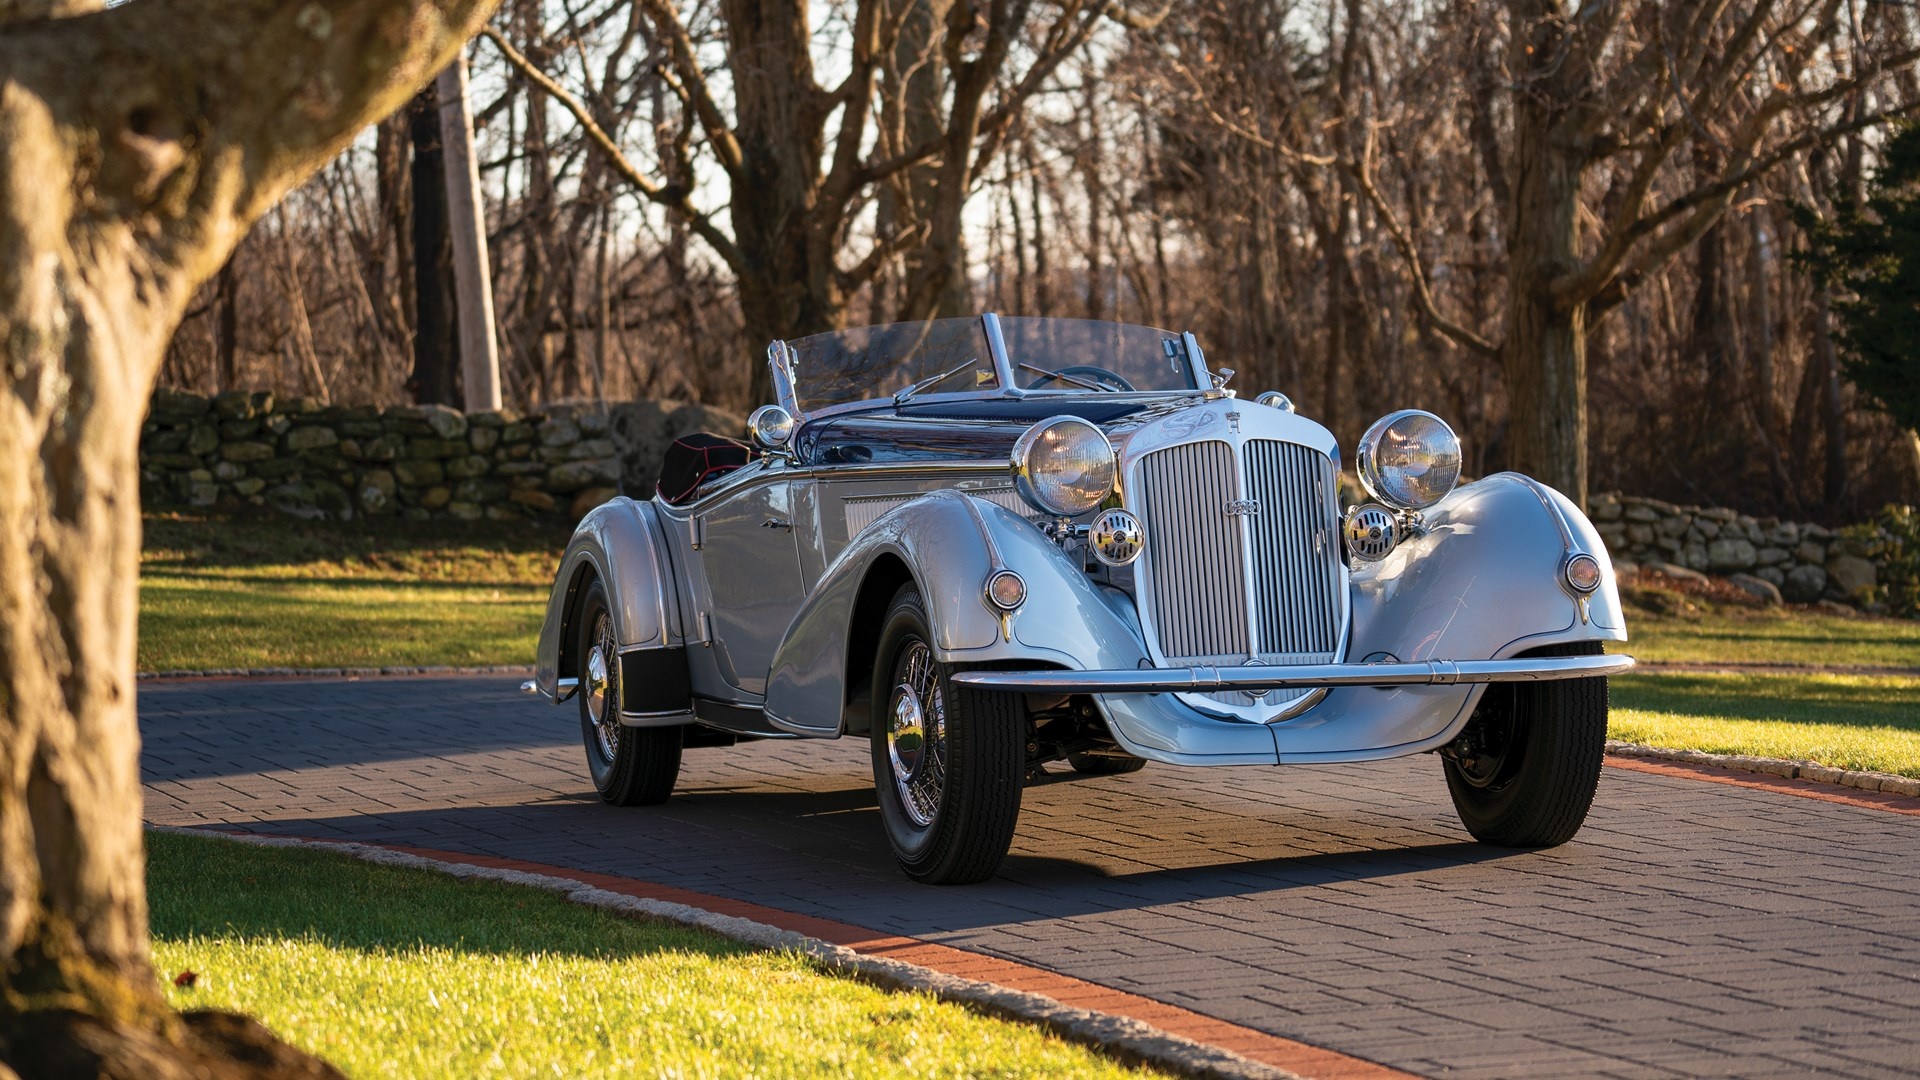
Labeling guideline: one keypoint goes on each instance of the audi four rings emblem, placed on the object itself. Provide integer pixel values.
(1243, 508)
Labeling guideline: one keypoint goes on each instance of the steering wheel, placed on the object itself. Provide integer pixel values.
(1107, 380)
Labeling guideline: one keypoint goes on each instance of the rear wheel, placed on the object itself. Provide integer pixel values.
(1105, 764)
(1524, 771)
(630, 766)
(948, 760)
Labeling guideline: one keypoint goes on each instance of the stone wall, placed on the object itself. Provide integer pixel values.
(1805, 563)
(423, 462)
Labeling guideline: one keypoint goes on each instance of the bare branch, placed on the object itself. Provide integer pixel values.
(675, 197)
(1362, 172)
(666, 20)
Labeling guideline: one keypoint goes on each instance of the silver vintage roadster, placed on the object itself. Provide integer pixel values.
(990, 544)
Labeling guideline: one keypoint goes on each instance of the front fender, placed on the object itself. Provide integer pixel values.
(621, 543)
(949, 544)
(1483, 583)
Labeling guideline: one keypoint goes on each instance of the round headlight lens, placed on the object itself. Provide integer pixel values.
(1063, 466)
(1409, 460)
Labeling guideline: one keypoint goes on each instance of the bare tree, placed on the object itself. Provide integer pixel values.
(800, 159)
(136, 146)
(1707, 97)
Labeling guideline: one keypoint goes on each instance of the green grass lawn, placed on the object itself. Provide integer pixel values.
(1869, 722)
(1773, 636)
(391, 972)
(257, 591)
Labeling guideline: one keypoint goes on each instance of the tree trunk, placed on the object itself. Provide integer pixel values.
(466, 218)
(435, 348)
(227, 348)
(788, 287)
(136, 145)
(1544, 356)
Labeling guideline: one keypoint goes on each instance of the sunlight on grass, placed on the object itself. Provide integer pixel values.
(1774, 637)
(1848, 721)
(246, 592)
(405, 973)
(245, 620)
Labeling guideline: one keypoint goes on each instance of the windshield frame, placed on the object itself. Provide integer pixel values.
(780, 362)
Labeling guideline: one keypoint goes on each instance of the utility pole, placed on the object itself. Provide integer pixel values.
(472, 280)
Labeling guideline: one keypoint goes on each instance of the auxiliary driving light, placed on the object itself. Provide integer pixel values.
(1117, 537)
(1370, 531)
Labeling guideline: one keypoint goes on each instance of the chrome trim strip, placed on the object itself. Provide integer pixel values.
(1207, 679)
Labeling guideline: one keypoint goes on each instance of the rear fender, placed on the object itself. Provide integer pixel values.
(621, 543)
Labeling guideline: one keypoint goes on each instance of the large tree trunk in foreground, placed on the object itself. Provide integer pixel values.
(136, 146)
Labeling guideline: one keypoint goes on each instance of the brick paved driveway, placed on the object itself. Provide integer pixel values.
(1692, 928)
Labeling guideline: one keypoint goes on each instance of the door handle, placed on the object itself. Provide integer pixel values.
(776, 523)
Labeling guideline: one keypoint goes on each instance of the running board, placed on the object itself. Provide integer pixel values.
(1295, 676)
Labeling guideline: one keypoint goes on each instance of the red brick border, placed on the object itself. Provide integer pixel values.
(1805, 789)
(1286, 1054)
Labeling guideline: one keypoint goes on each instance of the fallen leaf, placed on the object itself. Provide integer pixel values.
(186, 979)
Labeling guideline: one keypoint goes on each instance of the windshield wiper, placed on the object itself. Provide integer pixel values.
(933, 380)
(1074, 379)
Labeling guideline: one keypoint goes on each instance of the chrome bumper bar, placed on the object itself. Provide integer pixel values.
(1295, 676)
(566, 687)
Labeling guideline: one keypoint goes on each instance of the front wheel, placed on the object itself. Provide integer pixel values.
(948, 760)
(1524, 772)
(630, 766)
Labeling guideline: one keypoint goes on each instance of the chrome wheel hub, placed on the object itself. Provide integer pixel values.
(917, 734)
(602, 689)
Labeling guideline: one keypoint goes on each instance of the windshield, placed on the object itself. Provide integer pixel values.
(946, 356)
(1083, 354)
(879, 361)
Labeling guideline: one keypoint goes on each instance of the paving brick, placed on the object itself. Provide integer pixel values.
(1691, 929)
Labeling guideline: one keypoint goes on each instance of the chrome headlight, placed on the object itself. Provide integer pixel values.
(1409, 459)
(1063, 466)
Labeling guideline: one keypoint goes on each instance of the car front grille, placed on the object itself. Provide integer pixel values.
(1242, 562)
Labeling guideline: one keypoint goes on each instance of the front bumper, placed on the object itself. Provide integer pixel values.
(1296, 676)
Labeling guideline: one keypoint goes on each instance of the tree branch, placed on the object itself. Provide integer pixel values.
(1362, 173)
(666, 20)
(676, 197)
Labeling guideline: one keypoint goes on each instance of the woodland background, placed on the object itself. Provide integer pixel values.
(1325, 191)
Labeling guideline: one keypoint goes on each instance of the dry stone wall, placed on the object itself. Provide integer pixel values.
(1773, 559)
(431, 461)
(340, 462)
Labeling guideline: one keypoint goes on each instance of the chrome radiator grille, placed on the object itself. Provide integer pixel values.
(1243, 561)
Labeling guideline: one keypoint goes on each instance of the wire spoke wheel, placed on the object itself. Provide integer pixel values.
(603, 687)
(948, 760)
(630, 766)
(917, 734)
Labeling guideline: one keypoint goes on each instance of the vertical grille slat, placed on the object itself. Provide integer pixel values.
(1201, 568)
(1199, 557)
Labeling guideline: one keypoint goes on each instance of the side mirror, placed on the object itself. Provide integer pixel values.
(771, 426)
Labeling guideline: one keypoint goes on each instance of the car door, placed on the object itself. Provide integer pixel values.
(751, 563)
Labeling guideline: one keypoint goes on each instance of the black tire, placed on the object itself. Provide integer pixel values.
(1536, 762)
(630, 766)
(1105, 764)
(965, 782)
